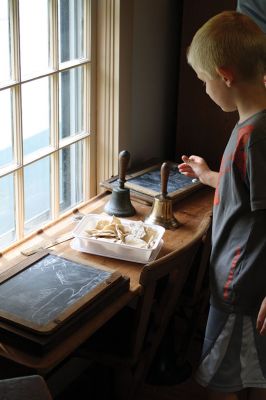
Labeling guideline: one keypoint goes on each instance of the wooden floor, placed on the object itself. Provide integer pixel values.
(188, 390)
(95, 383)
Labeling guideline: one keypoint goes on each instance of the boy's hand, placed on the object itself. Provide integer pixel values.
(261, 320)
(196, 167)
(193, 166)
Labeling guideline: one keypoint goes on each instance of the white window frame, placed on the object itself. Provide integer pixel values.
(87, 137)
(102, 88)
(108, 46)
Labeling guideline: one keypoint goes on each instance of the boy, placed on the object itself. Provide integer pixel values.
(228, 54)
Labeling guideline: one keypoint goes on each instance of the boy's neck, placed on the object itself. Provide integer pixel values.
(250, 99)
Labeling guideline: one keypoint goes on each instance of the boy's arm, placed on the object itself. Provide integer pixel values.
(261, 320)
(196, 167)
(210, 178)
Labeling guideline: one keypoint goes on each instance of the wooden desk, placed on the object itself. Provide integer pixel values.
(189, 212)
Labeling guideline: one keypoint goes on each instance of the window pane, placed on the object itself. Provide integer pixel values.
(7, 211)
(71, 30)
(5, 65)
(6, 149)
(71, 100)
(35, 115)
(71, 188)
(34, 36)
(37, 194)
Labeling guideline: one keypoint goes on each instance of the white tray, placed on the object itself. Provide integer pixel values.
(105, 247)
(134, 257)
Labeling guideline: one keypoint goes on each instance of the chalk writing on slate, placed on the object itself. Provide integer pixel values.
(48, 289)
(152, 181)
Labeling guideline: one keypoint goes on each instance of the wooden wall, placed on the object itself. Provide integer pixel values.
(202, 127)
(149, 62)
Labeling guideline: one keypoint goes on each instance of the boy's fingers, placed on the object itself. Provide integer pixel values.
(261, 324)
(260, 320)
(262, 330)
(185, 159)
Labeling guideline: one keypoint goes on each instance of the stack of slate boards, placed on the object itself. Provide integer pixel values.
(46, 297)
(146, 183)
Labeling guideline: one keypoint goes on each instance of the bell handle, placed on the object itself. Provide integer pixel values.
(165, 171)
(123, 160)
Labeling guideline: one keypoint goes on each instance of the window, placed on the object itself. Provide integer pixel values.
(45, 112)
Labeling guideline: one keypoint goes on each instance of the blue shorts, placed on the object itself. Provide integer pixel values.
(234, 354)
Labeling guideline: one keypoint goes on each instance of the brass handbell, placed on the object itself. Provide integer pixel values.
(120, 204)
(162, 212)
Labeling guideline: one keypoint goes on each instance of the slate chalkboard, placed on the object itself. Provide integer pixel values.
(46, 290)
(38, 343)
(146, 183)
(151, 181)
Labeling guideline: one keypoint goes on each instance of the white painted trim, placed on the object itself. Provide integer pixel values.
(89, 148)
(108, 30)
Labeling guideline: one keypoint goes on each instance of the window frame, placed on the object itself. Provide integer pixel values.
(108, 85)
(101, 146)
(88, 136)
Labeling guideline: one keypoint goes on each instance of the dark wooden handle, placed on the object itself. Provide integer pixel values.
(165, 171)
(123, 159)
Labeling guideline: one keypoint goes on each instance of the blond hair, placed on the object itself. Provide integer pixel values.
(229, 39)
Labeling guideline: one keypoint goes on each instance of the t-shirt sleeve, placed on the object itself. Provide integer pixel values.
(256, 173)
(255, 9)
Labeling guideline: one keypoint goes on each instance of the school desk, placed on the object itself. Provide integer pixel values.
(189, 211)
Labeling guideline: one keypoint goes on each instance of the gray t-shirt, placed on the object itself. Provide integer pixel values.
(238, 259)
(255, 9)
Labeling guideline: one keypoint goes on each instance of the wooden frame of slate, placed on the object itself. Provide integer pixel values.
(146, 183)
(45, 291)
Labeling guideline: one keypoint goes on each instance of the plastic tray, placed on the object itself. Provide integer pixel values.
(105, 247)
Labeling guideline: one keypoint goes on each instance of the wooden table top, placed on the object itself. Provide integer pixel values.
(188, 211)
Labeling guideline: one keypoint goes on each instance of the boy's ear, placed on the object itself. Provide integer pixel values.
(227, 75)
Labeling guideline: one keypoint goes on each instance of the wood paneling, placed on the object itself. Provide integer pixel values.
(202, 127)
